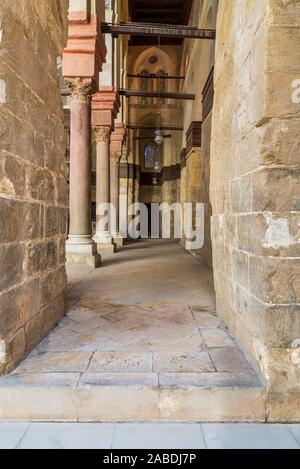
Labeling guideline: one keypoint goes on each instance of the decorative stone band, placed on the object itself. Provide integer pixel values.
(86, 51)
(102, 134)
(105, 107)
(81, 88)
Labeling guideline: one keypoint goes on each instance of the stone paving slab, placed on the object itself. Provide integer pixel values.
(148, 346)
(146, 436)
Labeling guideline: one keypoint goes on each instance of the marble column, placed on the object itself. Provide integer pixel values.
(105, 107)
(83, 57)
(116, 145)
(115, 158)
(124, 174)
(103, 237)
(80, 247)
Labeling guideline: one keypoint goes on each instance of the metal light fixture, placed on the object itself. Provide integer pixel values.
(159, 139)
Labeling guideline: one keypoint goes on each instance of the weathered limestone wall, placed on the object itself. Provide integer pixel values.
(194, 53)
(33, 189)
(206, 252)
(255, 189)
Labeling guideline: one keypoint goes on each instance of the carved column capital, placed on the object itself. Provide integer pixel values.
(102, 134)
(115, 157)
(81, 88)
(124, 157)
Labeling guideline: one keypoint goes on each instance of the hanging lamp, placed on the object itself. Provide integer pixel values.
(159, 138)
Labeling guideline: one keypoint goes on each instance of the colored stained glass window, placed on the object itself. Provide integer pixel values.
(150, 155)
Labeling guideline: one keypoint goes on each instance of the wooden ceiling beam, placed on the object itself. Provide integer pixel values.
(158, 30)
(154, 94)
(174, 128)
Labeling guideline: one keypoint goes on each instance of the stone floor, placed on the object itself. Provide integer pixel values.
(141, 341)
(148, 436)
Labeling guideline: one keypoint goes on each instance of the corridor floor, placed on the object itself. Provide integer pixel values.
(140, 333)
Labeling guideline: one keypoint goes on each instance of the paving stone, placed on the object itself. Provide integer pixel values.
(131, 379)
(229, 359)
(248, 436)
(55, 362)
(207, 320)
(121, 361)
(216, 338)
(208, 380)
(182, 362)
(162, 436)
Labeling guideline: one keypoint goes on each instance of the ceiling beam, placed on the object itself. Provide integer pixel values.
(156, 77)
(158, 30)
(174, 128)
(154, 94)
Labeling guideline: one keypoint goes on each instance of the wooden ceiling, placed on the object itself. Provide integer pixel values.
(159, 11)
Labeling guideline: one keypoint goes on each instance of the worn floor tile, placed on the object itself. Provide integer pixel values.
(248, 436)
(207, 320)
(121, 361)
(229, 359)
(155, 436)
(182, 362)
(149, 380)
(55, 362)
(216, 338)
(182, 380)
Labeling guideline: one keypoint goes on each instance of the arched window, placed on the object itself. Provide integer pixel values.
(144, 85)
(150, 155)
(162, 84)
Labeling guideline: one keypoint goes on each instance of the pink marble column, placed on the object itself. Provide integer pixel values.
(103, 236)
(115, 196)
(80, 246)
(82, 61)
(105, 106)
(116, 145)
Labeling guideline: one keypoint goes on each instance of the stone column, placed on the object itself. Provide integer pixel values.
(82, 61)
(80, 246)
(103, 237)
(124, 194)
(115, 196)
(116, 145)
(105, 106)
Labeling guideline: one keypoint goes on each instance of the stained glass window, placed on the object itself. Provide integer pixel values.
(144, 85)
(150, 153)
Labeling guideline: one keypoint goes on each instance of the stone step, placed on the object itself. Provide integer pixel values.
(127, 397)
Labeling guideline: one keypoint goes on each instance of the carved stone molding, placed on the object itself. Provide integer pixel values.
(102, 134)
(81, 89)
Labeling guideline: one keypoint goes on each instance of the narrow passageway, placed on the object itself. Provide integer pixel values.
(145, 320)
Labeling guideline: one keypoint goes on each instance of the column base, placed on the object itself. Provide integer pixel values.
(105, 244)
(82, 250)
(118, 240)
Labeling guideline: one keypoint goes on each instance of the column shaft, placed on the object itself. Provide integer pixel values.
(80, 246)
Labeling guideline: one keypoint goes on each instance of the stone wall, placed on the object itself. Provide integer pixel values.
(205, 254)
(33, 189)
(255, 189)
